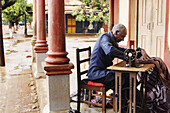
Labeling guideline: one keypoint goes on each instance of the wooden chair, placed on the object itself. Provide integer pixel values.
(83, 84)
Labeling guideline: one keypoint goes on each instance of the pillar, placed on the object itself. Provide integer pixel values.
(57, 65)
(41, 43)
(34, 38)
(111, 17)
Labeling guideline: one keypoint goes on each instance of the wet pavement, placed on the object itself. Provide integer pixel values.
(17, 87)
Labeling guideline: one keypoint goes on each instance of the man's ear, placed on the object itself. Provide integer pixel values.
(117, 32)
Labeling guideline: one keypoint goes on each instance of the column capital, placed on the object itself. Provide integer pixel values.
(61, 69)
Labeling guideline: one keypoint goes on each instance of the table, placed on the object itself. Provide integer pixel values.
(119, 69)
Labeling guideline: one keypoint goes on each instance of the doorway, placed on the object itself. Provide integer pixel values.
(152, 26)
(71, 24)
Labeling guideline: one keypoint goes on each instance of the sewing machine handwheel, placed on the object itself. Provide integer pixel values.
(130, 54)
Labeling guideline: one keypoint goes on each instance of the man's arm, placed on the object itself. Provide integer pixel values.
(122, 49)
(110, 49)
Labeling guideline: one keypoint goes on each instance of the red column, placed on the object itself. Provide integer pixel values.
(116, 12)
(34, 23)
(41, 43)
(111, 17)
(56, 55)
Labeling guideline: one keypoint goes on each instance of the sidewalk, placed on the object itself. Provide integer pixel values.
(18, 92)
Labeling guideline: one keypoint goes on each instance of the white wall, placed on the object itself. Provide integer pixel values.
(29, 1)
(123, 17)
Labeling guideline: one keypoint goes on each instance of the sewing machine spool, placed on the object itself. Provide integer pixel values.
(130, 57)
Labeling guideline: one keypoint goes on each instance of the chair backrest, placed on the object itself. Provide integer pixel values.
(82, 59)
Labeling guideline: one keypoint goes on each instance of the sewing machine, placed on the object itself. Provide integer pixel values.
(131, 55)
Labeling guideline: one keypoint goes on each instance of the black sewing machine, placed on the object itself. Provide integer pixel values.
(131, 55)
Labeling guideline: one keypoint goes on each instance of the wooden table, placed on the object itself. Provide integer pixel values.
(119, 69)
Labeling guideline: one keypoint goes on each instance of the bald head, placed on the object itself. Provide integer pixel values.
(119, 32)
(119, 27)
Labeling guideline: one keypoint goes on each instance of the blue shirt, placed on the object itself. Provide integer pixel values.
(104, 52)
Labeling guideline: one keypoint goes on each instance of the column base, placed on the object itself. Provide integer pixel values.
(58, 93)
(39, 75)
(46, 110)
(33, 40)
(33, 59)
(40, 57)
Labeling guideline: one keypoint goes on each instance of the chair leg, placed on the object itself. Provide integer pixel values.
(78, 100)
(114, 104)
(104, 101)
(89, 97)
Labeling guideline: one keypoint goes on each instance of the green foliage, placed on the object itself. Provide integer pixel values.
(2, 2)
(16, 12)
(29, 19)
(29, 9)
(87, 2)
(95, 10)
(7, 3)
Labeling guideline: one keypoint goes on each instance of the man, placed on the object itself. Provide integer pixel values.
(104, 52)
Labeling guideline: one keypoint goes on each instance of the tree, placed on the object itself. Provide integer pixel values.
(2, 58)
(93, 10)
(11, 14)
(7, 3)
(14, 13)
(29, 9)
(3, 5)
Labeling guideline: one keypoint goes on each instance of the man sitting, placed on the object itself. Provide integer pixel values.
(104, 52)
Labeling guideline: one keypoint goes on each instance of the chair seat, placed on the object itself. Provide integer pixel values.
(91, 83)
(95, 83)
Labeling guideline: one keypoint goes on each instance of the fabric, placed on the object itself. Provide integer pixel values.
(162, 69)
(98, 100)
(157, 85)
(104, 52)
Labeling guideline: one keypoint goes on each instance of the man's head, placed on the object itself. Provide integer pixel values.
(119, 32)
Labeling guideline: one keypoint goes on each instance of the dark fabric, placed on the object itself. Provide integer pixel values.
(104, 52)
(162, 69)
(157, 85)
(108, 81)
